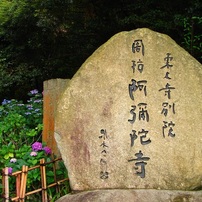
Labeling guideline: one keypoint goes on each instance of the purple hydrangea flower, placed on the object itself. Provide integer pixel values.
(10, 170)
(33, 153)
(29, 107)
(37, 101)
(5, 102)
(20, 105)
(47, 150)
(33, 92)
(13, 160)
(37, 146)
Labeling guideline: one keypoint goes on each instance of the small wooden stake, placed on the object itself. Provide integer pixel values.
(43, 180)
(6, 184)
(23, 183)
(18, 182)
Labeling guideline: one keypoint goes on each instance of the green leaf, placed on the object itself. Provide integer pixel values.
(8, 155)
(34, 162)
(21, 162)
(32, 133)
(36, 175)
(50, 173)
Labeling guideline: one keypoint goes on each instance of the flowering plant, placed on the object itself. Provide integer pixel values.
(20, 124)
(28, 155)
(20, 141)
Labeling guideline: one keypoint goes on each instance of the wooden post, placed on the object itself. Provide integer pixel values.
(18, 183)
(43, 180)
(23, 183)
(53, 90)
(5, 183)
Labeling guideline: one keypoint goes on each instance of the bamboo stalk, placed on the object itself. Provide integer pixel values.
(33, 192)
(27, 194)
(21, 179)
(57, 159)
(43, 180)
(16, 173)
(34, 167)
(6, 184)
(57, 183)
(23, 183)
(3, 182)
(18, 182)
(37, 166)
(40, 189)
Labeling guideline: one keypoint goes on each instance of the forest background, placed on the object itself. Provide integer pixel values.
(46, 39)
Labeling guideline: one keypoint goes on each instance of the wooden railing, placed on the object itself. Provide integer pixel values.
(21, 181)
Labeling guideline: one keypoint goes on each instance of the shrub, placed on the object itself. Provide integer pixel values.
(21, 141)
(20, 126)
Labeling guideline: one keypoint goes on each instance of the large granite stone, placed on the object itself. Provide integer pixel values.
(131, 116)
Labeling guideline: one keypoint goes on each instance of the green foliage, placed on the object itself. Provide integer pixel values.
(20, 126)
(193, 40)
(20, 143)
(31, 157)
(21, 123)
(33, 42)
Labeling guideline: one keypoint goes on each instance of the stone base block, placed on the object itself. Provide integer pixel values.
(133, 195)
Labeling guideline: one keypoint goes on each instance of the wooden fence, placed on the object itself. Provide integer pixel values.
(21, 181)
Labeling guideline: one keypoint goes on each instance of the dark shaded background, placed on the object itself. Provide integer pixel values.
(41, 40)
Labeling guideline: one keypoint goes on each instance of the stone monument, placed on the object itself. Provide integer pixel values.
(130, 117)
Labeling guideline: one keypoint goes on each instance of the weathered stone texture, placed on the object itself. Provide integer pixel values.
(133, 196)
(97, 99)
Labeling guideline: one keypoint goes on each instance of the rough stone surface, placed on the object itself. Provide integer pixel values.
(133, 196)
(93, 128)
